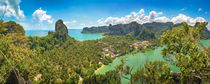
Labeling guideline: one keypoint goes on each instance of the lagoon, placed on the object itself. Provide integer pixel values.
(138, 59)
(75, 33)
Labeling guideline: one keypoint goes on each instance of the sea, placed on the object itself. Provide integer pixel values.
(75, 33)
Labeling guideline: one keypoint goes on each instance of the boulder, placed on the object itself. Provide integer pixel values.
(176, 77)
(15, 78)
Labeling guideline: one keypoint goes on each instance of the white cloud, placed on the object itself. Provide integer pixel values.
(162, 19)
(11, 8)
(141, 11)
(101, 22)
(183, 18)
(42, 15)
(208, 26)
(138, 17)
(152, 17)
(200, 9)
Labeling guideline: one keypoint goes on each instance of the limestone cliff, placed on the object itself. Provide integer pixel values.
(61, 31)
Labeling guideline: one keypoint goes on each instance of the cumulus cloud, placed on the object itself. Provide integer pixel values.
(200, 9)
(153, 16)
(138, 17)
(42, 15)
(11, 8)
(141, 11)
(101, 22)
(162, 19)
(183, 18)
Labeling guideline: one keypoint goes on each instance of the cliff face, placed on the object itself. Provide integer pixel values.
(61, 28)
(140, 30)
(100, 29)
(61, 31)
(123, 29)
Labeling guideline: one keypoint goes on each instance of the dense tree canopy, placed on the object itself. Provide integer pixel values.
(59, 58)
(11, 27)
(183, 44)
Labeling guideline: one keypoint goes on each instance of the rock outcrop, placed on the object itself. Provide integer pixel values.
(61, 31)
(123, 29)
(15, 78)
(101, 29)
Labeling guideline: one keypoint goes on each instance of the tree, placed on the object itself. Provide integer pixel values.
(154, 73)
(3, 29)
(183, 44)
(110, 77)
(14, 52)
(11, 27)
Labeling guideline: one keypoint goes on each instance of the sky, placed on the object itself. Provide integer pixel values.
(76, 14)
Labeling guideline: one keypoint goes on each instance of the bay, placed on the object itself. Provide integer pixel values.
(138, 60)
(75, 33)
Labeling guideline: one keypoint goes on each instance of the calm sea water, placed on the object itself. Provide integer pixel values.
(139, 59)
(75, 33)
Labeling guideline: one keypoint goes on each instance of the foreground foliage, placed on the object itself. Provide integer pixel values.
(191, 57)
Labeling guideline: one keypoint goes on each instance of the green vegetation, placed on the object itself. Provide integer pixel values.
(101, 29)
(183, 49)
(107, 60)
(11, 27)
(154, 73)
(145, 31)
(118, 44)
(111, 77)
(183, 44)
(56, 60)
(16, 53)
(59, 58)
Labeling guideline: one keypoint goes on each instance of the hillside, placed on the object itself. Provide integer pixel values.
(100, 29)
(123, 29)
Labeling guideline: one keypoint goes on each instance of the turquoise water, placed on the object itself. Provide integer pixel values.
(137, 60)
(75, 33)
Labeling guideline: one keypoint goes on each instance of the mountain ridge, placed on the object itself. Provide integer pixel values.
(124, 29)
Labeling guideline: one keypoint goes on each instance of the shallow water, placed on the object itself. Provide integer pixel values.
(139, 59)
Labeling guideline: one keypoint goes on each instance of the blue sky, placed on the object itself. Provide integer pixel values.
(42, 14)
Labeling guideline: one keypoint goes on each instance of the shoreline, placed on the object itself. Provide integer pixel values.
(99, 68)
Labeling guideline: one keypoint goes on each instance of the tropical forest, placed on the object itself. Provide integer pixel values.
(104, 42)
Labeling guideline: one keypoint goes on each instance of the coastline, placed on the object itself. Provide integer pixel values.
(99, 68)
(116, 57)
(205, 42)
